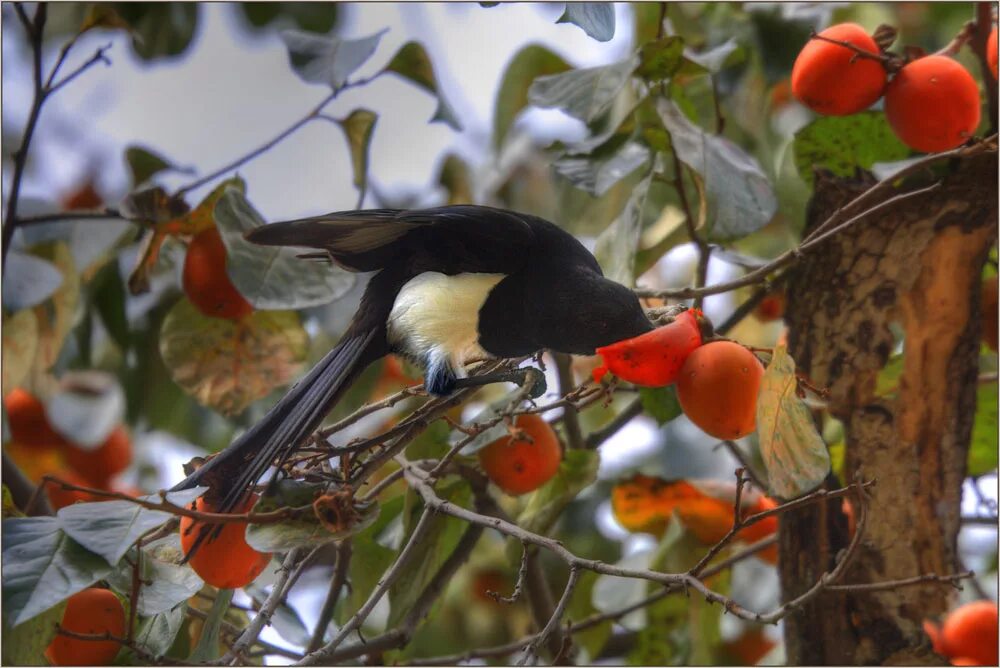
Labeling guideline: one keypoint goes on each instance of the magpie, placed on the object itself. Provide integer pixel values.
(449, 284)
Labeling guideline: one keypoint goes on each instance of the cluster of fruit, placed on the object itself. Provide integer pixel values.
(39, 450)
(968, 636)
(717, 382)
(931, 102)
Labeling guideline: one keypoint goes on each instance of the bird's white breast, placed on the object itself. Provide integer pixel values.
(435, 317)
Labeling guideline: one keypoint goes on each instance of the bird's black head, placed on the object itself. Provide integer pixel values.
(600, 312)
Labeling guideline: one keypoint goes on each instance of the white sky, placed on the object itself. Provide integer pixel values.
(231, 93)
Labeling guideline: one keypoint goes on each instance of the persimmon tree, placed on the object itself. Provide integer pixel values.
(458, 528)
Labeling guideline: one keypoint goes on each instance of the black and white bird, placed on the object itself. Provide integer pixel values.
(451, 283)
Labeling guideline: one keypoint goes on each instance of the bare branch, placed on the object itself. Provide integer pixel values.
(340, 570)
(235, 655)
(530, 651)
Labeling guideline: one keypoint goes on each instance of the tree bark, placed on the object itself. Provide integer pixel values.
(915, 271)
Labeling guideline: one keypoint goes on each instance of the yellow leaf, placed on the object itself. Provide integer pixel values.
(227, 365)
(792, 449)
(20, 343)
(55, 314)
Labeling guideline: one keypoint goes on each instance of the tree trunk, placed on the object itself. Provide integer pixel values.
(916, 271)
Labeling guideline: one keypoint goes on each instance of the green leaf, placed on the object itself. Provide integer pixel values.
(739, 195)
(25, 644)
(328, 60)
(273, 277)
(20, 345)
(28, 281)
(715, 58)
(159, 30)
(306, 530)
(358, 128)
(597, 175)
(166, 584)
(660, 403)
(109, 528)
(144, 164)
(156, 634)
(456, 179)
(887, 381)
(412, 62)
(42, 566)
(661, 59)
(10, 508)
(228, 365)
(842, 144)
(596, 18)
(577, 471)
(580, 607)
(318, 17)
(617, 245)
(438, 543)
(528, 64)
(794, 453)
(369, 562)
(582, 93)
(983, 447)
(207, 648)
(108, 295)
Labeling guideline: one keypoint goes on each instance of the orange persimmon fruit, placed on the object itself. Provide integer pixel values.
(28, 423)
(518, 465)
(832, 79)
(654, 358)
(970, 631)
(225, 560)
(92, 611)
(107, 460)
(991, 52)
(206, 282)
(717, 389)
(932, 104)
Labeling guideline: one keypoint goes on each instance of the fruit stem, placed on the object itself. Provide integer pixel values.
(885, 58)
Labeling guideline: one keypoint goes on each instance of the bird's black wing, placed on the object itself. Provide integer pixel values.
(450, 239)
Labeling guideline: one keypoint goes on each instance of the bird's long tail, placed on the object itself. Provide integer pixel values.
(296, 415)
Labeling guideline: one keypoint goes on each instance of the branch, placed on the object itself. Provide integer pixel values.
(530, 651)
(951, 580)
(571, 420)
(98, 57)
(263, 617)
(340, 569)
(594, 439)
(390, 576)
(34, 31)
(272, 517)
(834, 221)
(263, 148)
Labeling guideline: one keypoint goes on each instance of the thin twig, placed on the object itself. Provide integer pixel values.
(340, 570)
(571, 419)
(522, 574)
(531, 650)
(386, 581)
(263, 617)
(596, 438)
